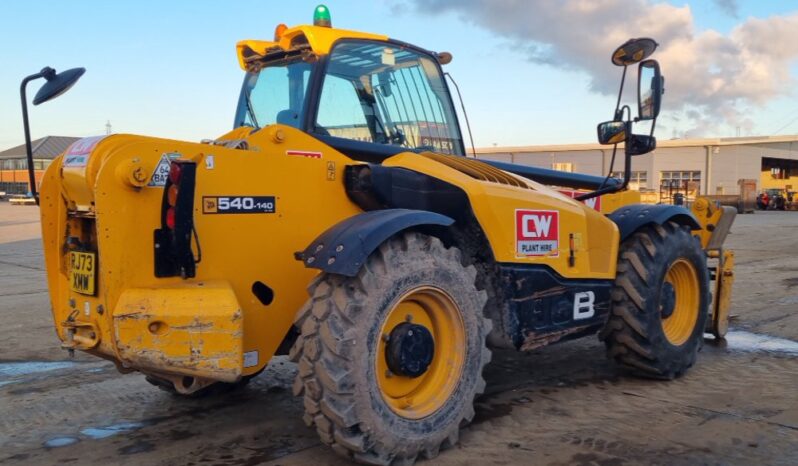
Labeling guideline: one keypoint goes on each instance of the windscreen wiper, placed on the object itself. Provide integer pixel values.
(251, 111)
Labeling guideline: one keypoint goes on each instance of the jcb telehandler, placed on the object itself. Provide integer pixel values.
(346, 174)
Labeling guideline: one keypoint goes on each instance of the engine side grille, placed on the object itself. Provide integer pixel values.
(476, 169)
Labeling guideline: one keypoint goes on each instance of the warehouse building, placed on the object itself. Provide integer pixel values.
(14, 164)
(699, 166)
(693, 166)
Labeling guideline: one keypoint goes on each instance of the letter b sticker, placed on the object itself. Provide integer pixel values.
(583, 305)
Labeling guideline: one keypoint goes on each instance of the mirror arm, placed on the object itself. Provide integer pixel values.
(603, 191)
(28, 147)
(627, 163)
(620, 94)
(627, 169)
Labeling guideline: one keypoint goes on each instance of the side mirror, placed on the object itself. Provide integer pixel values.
(649, 90)
(611, 132)
(640, 144)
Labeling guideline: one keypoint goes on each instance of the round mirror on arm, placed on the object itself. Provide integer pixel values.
(634, 51)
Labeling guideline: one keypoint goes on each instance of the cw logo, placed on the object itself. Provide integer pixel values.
(541, 223)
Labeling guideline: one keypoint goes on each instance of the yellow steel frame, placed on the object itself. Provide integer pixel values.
(709, 217)
(209, 325)
(320, 39)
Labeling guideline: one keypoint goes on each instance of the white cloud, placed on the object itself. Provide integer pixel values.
(712, 79)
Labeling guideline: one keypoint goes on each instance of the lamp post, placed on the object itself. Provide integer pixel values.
(57, 84)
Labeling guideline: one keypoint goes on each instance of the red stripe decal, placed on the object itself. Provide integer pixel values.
(302, 153)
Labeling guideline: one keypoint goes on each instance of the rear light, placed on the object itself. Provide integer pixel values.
(174, 173)
(174, 254)
(170, 218)
(171, 195)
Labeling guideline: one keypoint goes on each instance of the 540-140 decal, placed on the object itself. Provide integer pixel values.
(238, 205)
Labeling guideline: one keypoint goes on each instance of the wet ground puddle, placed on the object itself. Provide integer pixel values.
(94, 433)
(14, 369)
(16, 372)
(738, 340)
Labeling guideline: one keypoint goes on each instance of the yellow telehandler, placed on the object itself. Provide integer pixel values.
(346, 175)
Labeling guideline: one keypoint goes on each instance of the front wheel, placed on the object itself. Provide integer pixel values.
(390, 361)
(659, 302)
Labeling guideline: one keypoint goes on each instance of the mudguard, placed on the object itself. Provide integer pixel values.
(344, 247)
(631, 218)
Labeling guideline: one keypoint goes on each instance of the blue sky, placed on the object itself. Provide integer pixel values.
(169, 68)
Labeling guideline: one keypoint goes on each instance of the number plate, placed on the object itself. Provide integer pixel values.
(82, 272)
(238, 205)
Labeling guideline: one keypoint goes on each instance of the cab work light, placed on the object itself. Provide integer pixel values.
(321, 17)
(279, 31)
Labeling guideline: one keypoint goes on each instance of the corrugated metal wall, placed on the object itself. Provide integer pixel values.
(589, 161)
(731, 163)
(727, 163)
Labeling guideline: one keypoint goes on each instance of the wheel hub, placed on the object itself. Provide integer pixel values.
(421, 352)
(667, 301)
(410, 350)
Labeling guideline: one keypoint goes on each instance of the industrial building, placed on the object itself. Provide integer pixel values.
(14, 164)
(701, 166)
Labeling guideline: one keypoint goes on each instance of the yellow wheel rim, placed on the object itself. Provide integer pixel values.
(419, 397)
(679, 325)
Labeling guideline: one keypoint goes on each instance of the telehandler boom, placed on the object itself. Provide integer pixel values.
(346, 175)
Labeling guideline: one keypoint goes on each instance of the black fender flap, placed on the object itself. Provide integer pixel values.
(344, 247)
(633, 217)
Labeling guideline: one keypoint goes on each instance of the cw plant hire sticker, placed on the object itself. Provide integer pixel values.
(537, 232)
(78, 153)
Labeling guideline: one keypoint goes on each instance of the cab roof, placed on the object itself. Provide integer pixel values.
(319, 39)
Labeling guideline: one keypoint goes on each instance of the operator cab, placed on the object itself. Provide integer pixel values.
(369, 99)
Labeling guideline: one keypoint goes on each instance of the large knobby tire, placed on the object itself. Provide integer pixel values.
(659, 302)
(361, 408)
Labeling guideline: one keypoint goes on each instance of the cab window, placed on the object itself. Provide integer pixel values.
(276, 94)
(387, 94)
(340, 113)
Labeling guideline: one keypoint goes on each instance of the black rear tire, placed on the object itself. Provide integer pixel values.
(341, 340)
(635, 334)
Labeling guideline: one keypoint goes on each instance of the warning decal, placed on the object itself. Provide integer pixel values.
(303, 153)
(161, 172)
(78, 153)
(537, 232)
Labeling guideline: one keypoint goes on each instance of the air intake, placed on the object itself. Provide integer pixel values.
(476, 169)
